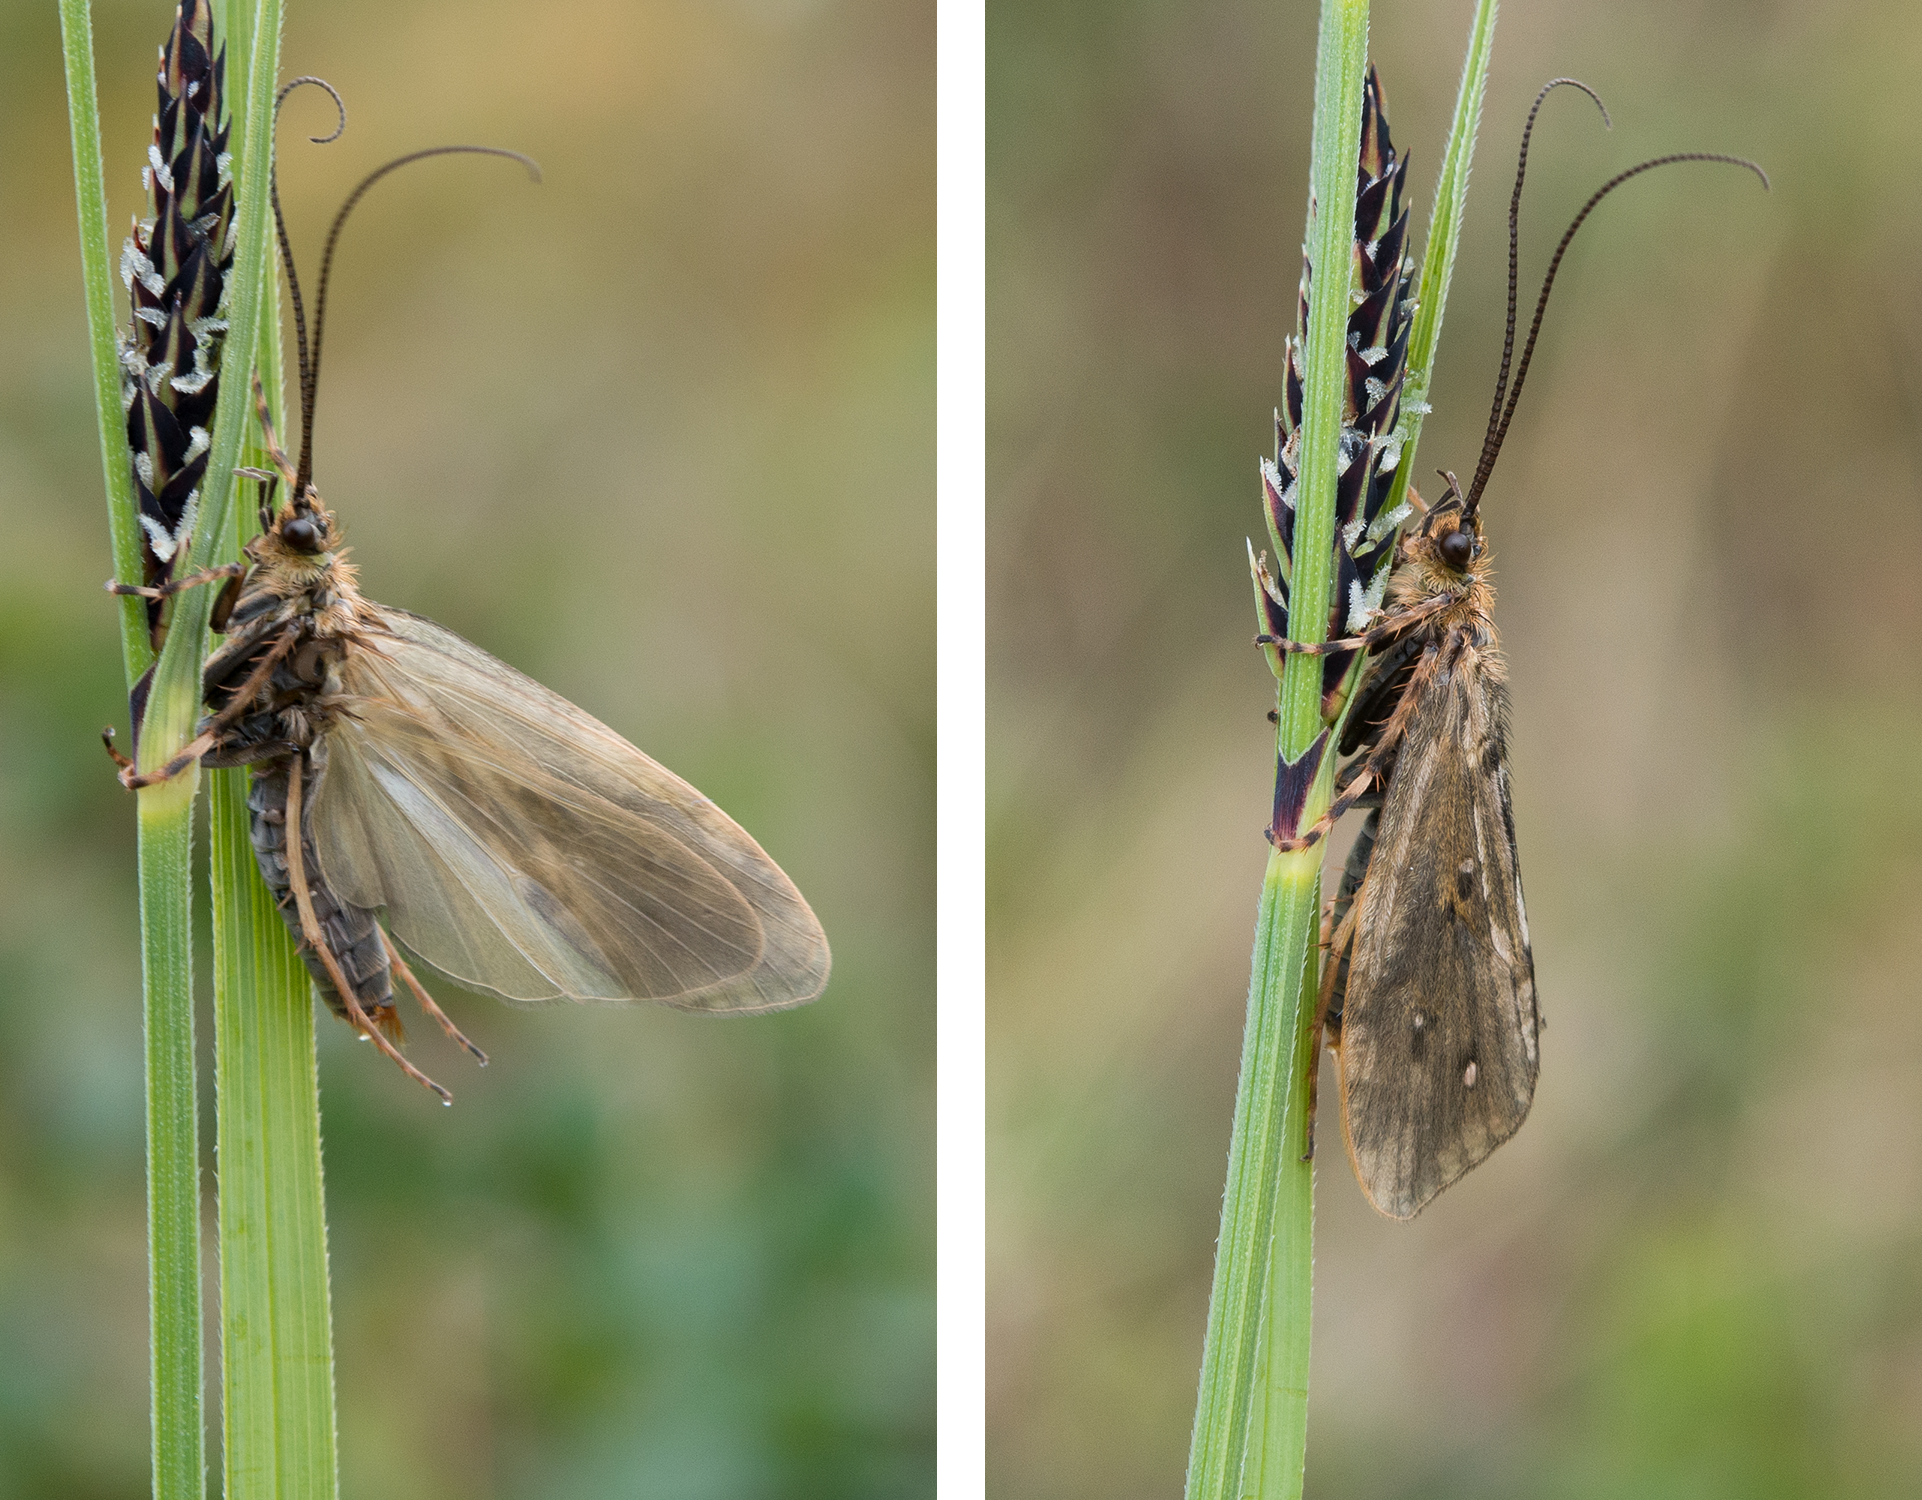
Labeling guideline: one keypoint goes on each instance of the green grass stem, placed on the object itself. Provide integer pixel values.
(1250, 1435)
(166, 870)
(276, 1330)
(275, 1320)
(96, 265)
(269, 1136)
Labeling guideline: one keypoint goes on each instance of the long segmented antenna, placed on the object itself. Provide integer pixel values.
(311, 378)
(308, 355)
(1503, 410)
(280, 223)
(1514, 242)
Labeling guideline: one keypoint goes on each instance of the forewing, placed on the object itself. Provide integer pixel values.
(1438, 1046)
(522, 847)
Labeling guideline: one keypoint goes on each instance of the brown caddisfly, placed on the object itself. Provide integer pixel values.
(1427, 985)
(516, 845)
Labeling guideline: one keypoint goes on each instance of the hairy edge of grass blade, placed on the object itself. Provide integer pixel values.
(166, 870)
(1250, 1431)
(1275, 1447)
(275, 1316)
(277, 1361)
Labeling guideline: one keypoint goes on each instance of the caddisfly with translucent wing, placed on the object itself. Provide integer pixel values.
(517, 845)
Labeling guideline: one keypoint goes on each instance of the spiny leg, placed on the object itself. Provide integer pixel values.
(426, 1000)
(269, 441)
(241, 701)
(233, 572)
(1390, 625)
(1391, 734)
(1337, 945)
(106, 738)
(177, 585)
(316, 940)
(1343, 938)
(134, 780)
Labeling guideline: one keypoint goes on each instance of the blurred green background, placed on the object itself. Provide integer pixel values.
(1697, 1272)
(659, 433)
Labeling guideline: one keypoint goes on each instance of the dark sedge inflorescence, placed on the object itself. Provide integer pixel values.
(175, 269)
(1372, 435)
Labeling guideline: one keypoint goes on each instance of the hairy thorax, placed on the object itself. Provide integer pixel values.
(311, 604)
(1425, 575)
(323, 588)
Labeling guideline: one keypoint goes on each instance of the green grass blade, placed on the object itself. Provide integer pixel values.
(276, 1119)
(276, 1330)
(173, 1152)
(1250, 1434)
(166, 873)
(1245, 1389)
(277, 1376)
(96, 264)
(1284, 972)
(1251, 1415)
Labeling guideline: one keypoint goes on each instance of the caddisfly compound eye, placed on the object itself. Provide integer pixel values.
(301, 534)
(1457, 548)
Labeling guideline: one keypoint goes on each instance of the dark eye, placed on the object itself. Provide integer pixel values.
(1457, 548)
(301, 534)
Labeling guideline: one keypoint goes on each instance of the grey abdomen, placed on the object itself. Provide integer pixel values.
(351, 932)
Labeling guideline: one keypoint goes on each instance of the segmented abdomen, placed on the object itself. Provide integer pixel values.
(351, 932)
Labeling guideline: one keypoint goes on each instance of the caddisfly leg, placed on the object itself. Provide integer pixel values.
(426, 1000)
(270, 441)
(1390, 625)
(201, 743)
(1336, 945)
(172, 586)
(316, 940)
(1358, 785)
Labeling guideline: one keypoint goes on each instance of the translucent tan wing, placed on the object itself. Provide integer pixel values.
(523, 848)
(1439, 1039)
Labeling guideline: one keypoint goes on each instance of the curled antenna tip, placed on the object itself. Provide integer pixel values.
(533, 167)
(1576, 83)
(1709, 156)
(340, 105)
(310, 357)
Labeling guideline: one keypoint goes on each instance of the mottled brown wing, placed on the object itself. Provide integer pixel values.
(1438, 1046)
(523, 848)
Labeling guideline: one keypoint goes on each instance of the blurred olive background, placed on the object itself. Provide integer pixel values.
(1697, 1272)
(658, 432)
